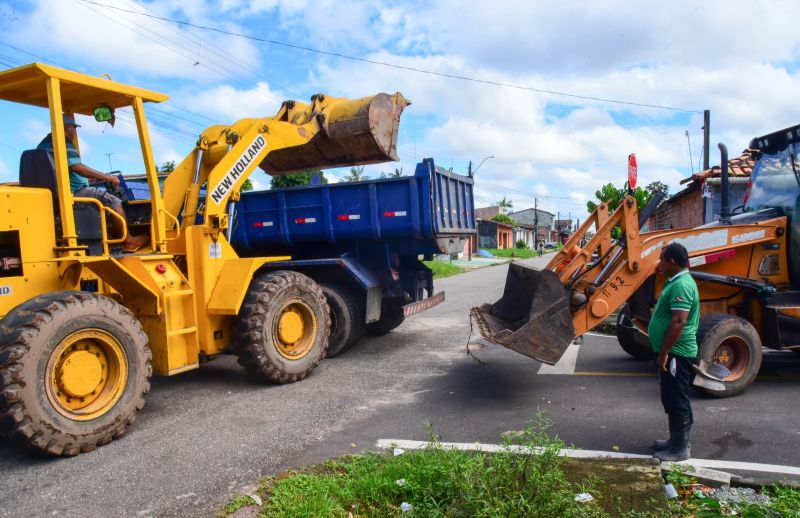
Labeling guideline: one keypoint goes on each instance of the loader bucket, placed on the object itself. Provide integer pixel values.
(532, 317)
(353, 132)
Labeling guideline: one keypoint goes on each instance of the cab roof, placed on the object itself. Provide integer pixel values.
(80, 93)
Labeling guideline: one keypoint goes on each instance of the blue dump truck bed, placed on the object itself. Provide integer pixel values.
(428, 213)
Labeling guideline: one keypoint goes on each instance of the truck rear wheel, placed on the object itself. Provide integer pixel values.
(632, 341)
(391, 316)
(74, 369)
(283, 327)
(733, 342)
(347, 318)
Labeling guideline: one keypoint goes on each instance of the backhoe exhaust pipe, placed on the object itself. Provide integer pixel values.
(532, 317)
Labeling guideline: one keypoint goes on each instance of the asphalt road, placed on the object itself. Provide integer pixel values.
(206, 435)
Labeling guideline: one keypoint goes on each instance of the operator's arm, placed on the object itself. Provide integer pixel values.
(87, 172)
(676, 325)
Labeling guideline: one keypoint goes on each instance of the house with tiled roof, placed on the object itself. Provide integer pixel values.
(700, 201)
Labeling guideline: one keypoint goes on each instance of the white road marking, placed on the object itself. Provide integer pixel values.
(591, 454)
(566, 365)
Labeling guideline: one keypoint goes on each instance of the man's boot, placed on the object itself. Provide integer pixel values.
(679, 428)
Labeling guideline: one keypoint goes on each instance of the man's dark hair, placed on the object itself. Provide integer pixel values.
(678, 253)
(563, 233)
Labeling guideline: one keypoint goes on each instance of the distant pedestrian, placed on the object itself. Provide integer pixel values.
(673, 335)
(540, 248)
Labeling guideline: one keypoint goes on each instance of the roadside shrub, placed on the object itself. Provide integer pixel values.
(521, 244)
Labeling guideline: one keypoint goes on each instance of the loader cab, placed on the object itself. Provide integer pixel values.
(80, 225)
(775, 184)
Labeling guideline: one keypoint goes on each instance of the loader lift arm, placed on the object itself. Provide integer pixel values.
(328, 132)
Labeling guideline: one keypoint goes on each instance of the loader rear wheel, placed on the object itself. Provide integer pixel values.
(391, 316)
(283, 327)
(347, 318)
(74, 369)
(733, 342)
(632, 342)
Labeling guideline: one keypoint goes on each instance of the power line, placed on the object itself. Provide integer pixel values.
(396, 66)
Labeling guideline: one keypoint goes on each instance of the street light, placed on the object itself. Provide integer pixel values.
(473, 171)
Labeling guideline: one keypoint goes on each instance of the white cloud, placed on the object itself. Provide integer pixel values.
(229, 104)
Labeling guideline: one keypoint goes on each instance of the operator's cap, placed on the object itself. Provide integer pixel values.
(70, 120)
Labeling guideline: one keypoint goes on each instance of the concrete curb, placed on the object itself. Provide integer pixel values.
(708, 464)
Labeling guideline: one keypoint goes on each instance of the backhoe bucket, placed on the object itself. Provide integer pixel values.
(353, 132)
(532, 317)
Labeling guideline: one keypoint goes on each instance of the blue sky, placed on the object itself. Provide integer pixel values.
(738, 59)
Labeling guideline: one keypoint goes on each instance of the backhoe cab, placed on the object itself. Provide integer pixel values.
(746, 265)
(83, 327)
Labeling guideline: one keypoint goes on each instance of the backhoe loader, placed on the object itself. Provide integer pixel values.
(746, 265)
(83, 325)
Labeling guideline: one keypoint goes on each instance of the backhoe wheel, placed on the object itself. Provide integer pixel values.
(734, 343)
(634, 343)
(74, 369)
(391, 317)
(347, 318)
(283, 327)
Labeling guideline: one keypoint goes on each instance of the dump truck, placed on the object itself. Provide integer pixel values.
(83, 325)
(746, 266)
(360, 241)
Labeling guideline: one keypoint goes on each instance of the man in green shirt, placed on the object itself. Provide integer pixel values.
(79, 175)
(673, 335)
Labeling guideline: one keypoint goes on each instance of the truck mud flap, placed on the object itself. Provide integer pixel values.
(532, 317)
(355, 132)
(422, 305)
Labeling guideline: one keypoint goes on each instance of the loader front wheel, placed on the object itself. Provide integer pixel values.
(347, 318)
(74, 369)
(283, 327)
(733, 342)
(632, 341)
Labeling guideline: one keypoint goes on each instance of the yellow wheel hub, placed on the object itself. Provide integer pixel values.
(86, 374)
(296, 330)
(290, 328)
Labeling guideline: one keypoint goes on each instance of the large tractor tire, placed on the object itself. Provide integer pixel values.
(733, 342)
(391, 316)
(347, 318)
(632, 342)
(74, 369)
(283, 327)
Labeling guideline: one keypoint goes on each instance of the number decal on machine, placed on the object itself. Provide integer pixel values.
(5, 290)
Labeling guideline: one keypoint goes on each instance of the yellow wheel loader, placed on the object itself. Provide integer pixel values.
(746, 265)
(83, 325)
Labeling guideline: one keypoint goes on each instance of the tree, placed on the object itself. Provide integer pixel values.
(247, 186)
(166, 167)
(655, 187)
(504, 218)
(505, 204)
(356, 175)
(296, 179)
(396, 174)
(613, 197)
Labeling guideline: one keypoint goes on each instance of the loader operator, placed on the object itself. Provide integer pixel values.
(672, 331)
(79, 175)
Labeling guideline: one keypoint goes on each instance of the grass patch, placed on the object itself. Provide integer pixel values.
(522, 253)
(440, 482)
(443, 269)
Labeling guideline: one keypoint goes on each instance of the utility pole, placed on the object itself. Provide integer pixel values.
(535, 221)
(706, 137)
(570, 221)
